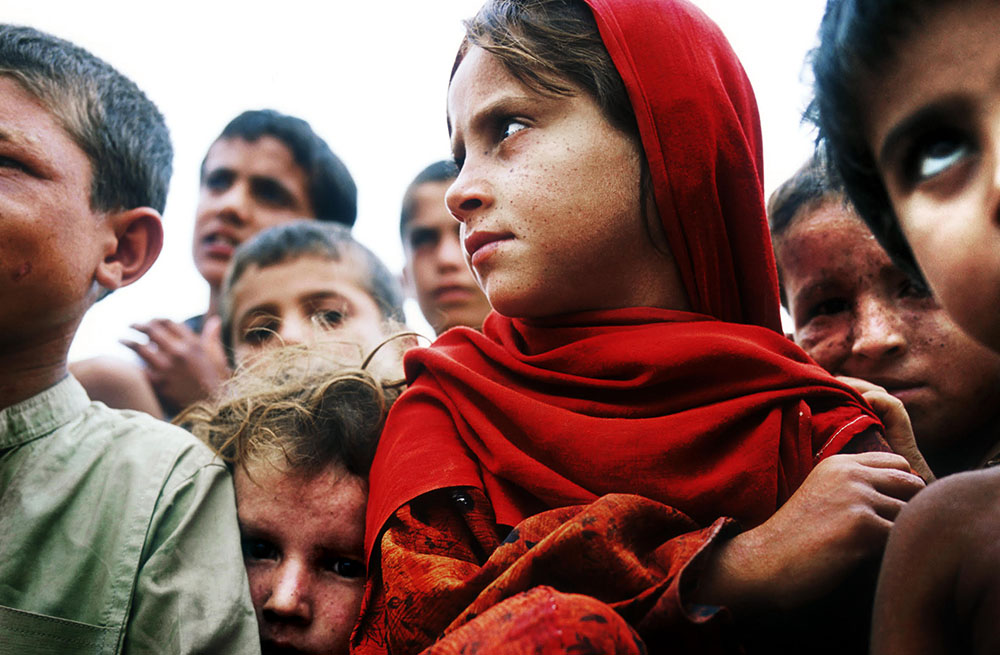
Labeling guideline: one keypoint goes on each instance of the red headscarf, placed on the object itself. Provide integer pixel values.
(713, 412)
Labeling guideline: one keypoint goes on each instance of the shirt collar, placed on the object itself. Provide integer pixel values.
(43, 413)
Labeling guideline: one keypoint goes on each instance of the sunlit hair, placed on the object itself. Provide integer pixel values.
(290, 241)
(331, 188)
(120, 130)
(858, 40)
(554, 47)
(297, 410)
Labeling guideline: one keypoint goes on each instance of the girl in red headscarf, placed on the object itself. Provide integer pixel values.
(630, 455)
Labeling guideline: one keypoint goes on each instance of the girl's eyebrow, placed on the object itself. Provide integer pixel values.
(488, 113)
(939, 111)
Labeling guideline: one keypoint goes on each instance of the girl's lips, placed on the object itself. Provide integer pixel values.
(480, 245)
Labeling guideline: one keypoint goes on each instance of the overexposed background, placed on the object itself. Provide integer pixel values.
(370, 77)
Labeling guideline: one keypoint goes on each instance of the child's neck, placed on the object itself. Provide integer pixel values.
(214, 299)
(27, 369)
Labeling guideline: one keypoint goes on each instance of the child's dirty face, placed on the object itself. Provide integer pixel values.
(435, 265)
(933, 123)
(306, 300)
(248, 186)
(548, 196)
(303, 547)
(50, 239)
(858, 314)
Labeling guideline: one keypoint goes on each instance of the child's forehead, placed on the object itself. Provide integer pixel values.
(929, 62)
(310, 273)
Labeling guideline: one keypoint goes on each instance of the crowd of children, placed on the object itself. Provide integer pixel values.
(611, 446)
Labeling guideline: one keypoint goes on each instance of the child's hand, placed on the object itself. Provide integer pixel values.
(839, 518)
(898, 431)
(182, 366)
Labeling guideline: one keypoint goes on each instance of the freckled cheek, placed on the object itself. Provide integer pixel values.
(260, 585)
(341, 605)
(829, 348)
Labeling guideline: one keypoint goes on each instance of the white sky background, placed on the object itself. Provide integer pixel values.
(370, 77)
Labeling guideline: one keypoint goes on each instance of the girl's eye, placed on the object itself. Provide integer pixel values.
(937, 153)
(511, 127)
(346, 567)
(258, 549)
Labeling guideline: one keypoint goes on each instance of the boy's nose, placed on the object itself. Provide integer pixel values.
(234, 205)
(450, 254)
(295, 330)
(879, 331)
(289, 596)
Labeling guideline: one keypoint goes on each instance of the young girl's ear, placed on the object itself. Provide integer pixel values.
(135, 237)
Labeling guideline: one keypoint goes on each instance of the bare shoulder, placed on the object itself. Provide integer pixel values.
(965, 500)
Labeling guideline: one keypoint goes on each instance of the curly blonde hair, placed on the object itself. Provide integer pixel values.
(296, 409)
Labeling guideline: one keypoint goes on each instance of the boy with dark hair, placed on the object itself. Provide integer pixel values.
(303, 281)
(908, 103)
(435, 271)
(111, 521)
(264, 169)
(332, 192)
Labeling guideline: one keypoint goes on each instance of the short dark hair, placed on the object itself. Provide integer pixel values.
(858, 39)
(812, 185)
(440, 171)
(119, 129)
(289, 241)
(332, 191)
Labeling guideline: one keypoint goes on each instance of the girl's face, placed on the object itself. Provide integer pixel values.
(933, 123)
(303, 547)
(305, 300)
(858, 314)
(549, 199)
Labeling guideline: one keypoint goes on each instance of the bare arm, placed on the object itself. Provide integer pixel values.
(183, 367)
(838, 519)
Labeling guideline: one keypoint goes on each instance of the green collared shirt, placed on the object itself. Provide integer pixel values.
(118, 534)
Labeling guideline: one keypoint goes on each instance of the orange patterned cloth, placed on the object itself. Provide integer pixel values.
(627, 561)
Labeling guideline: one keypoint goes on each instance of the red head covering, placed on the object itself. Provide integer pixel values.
(715, 412)
(698, 121)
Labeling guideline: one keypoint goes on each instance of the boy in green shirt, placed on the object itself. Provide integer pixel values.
(119, 531)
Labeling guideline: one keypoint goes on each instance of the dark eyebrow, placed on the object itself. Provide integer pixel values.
(488, 114)
(942, 110)
(266, 309)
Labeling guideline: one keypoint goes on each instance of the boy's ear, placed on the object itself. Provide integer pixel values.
(134, 241)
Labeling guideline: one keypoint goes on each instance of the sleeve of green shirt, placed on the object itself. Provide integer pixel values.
(191, 594)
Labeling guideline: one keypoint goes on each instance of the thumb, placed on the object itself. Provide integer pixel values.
(898, 431)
